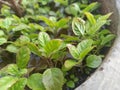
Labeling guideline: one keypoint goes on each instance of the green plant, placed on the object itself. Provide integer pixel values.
(61, 39)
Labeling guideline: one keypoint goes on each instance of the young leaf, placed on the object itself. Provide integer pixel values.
(91, 7)
(71, 84)
(90, 17)
(35, 82)
(6, 82)
(62, 22)
(19, 85)
(93, 61)
(3, 40)
(94, 28)
(84, 47)
(23, 57)
(47, 21)
(73, 51)
(78, 26)
(107, 39)
(21, 27)
(12, 48)
(104, 17)
(12, 69)
(7, 22)
(1, 33)
(53, 79)
(34, 49)
(43, 39)
(69, 64)
(52, 47)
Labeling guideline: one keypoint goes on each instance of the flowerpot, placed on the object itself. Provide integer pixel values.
(107, 76)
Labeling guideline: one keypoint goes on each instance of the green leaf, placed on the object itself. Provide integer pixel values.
(19, 85)
(35, 82)
(64, 2)
(91, 7)
(7, 22)
(7, 81)
(104, 17)
(23, 57)
(71, 84)
(12, 69)
(93, 61)
(53, 79)
(43, 39)
(3, 40)
(69, 64)
(94, 28)
(78, 26)
(52, 47)
(62, 22)
(21, 27)
(90, 17)
(12, 48)
(73, 9)
(84, 47)
(47, 21)
(22, 40)
(107, 39)
(34, 49)
(1, 33)
(73, 51)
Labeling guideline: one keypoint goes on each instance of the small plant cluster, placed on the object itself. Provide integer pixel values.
(61, 34)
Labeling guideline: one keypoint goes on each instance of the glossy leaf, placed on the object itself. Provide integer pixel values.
(90, 17)
(7, 81)
(62, 22)
(3, 40)
(43, 39)
(23, 57)
(12, 69)
(91, 7)
(1, 33)
(35, 82)
(73, 51)
(107, 39)
(71, 84)
(21, 27)
(53, 79)
(7, 22)
(93, 61)
(78, 26)
(52, 47)
(12, 48)
(69, 64)
(84, 47)
(47, 21)
(34, 49)
(19, 85)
